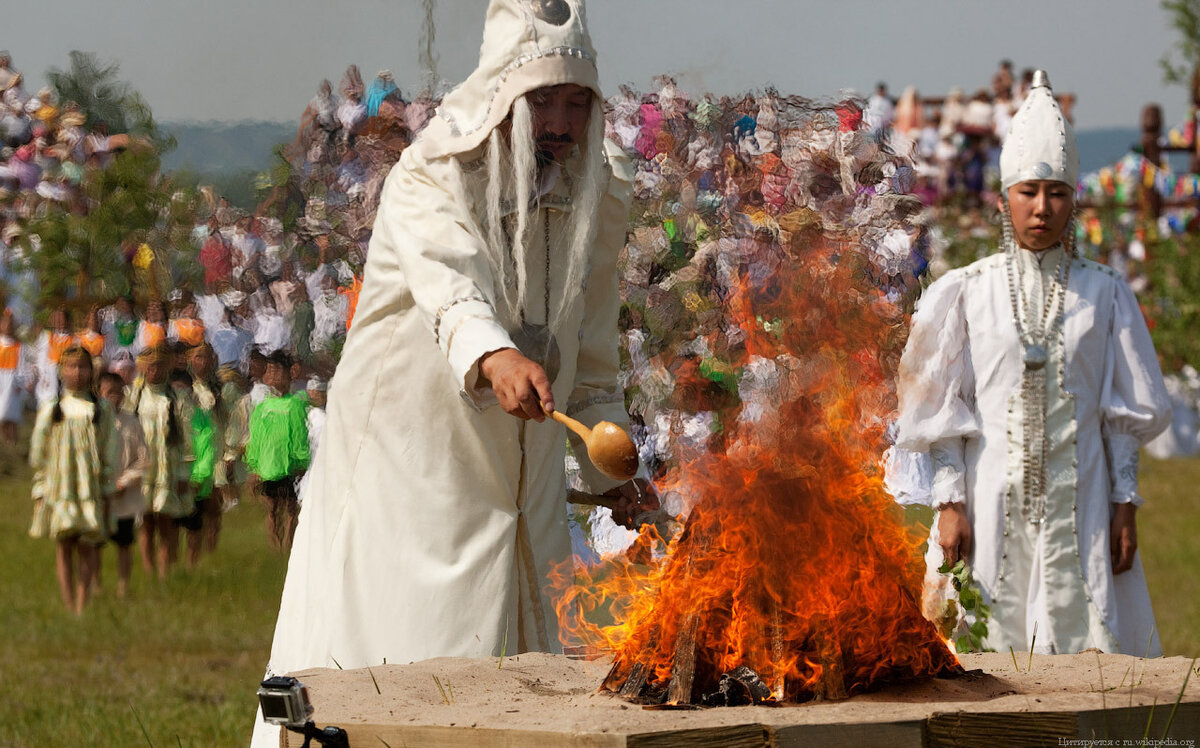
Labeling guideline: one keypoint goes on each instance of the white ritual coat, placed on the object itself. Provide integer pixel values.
(960, 400)
(432, 517)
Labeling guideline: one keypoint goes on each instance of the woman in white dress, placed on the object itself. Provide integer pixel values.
(49, 346)
(1031, 381)
(14, 373)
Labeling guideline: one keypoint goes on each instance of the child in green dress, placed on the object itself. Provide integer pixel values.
(75, 453)
(209, 474)
(203, 459)
(277, 453)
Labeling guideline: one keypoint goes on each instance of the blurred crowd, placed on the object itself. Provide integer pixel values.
(725, 188)
(954, 141)
(46, 147)
(728, 190)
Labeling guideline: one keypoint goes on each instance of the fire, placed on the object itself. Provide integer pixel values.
(793, 561)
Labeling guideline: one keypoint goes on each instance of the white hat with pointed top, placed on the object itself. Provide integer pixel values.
(1040, 142)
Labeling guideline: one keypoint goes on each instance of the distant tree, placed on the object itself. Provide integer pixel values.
(1181, 63)
(1172, 302)
(93, 85)
(101, 95)
(87, 251)
(241, 188)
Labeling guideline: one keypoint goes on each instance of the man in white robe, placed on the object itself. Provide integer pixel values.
(433, 518)
(1031, 381)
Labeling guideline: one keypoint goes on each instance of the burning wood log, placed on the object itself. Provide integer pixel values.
(633, 685)
(683, 667)
(833, 685)
(780, 677)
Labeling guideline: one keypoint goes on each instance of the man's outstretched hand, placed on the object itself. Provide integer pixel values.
(633, 498)
(521, 385)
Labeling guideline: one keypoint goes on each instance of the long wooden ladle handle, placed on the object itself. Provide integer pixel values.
(584, 432)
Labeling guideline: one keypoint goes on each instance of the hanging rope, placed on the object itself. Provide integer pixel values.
(428, 60)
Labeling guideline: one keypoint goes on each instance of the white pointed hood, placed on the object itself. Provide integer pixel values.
(527, 44)
(1040, 142)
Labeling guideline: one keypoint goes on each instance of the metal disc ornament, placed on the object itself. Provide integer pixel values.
(553, 12)
(1035, 357)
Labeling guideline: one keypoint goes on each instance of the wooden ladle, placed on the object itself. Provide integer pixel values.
(608, 446)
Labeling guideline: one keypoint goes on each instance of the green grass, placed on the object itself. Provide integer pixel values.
(187, 655)
(1169, 543)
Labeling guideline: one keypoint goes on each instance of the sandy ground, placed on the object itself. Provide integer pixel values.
(553, 693)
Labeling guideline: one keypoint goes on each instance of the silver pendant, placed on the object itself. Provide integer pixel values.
(540, 346)
(1035, 357)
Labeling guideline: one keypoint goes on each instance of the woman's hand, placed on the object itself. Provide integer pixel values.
(954, 532)
(1123, 537)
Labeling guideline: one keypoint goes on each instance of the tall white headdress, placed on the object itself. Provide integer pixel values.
(527, 44)
(1041, 142)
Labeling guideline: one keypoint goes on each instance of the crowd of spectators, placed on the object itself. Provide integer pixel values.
(725, 189)
(47, 148)
(728, 190)
(954, 141)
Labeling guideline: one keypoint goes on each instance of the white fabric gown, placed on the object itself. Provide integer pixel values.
(14, 375)
(960, 400)
(432, 517)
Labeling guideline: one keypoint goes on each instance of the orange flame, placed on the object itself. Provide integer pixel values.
(793, 560)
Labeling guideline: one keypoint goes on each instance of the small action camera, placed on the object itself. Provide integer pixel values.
(284, 701)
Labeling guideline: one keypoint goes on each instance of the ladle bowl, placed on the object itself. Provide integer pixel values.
(608, 446)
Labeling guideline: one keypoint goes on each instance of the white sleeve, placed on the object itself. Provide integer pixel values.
(1134, 403)
(907, 476)
(438, 249)
(937, 411)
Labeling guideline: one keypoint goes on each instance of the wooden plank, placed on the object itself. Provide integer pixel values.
(428, 736)
(734, 736)
(909, 734)
(1010, 729)
(683, 667)
(1046, 728)
(1130, 724)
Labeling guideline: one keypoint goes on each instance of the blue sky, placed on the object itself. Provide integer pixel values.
(262, 59)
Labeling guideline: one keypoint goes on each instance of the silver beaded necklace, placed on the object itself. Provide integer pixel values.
(1035, 345)
(1036, 339)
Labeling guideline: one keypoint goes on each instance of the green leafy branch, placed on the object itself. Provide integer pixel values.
(971, 599)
